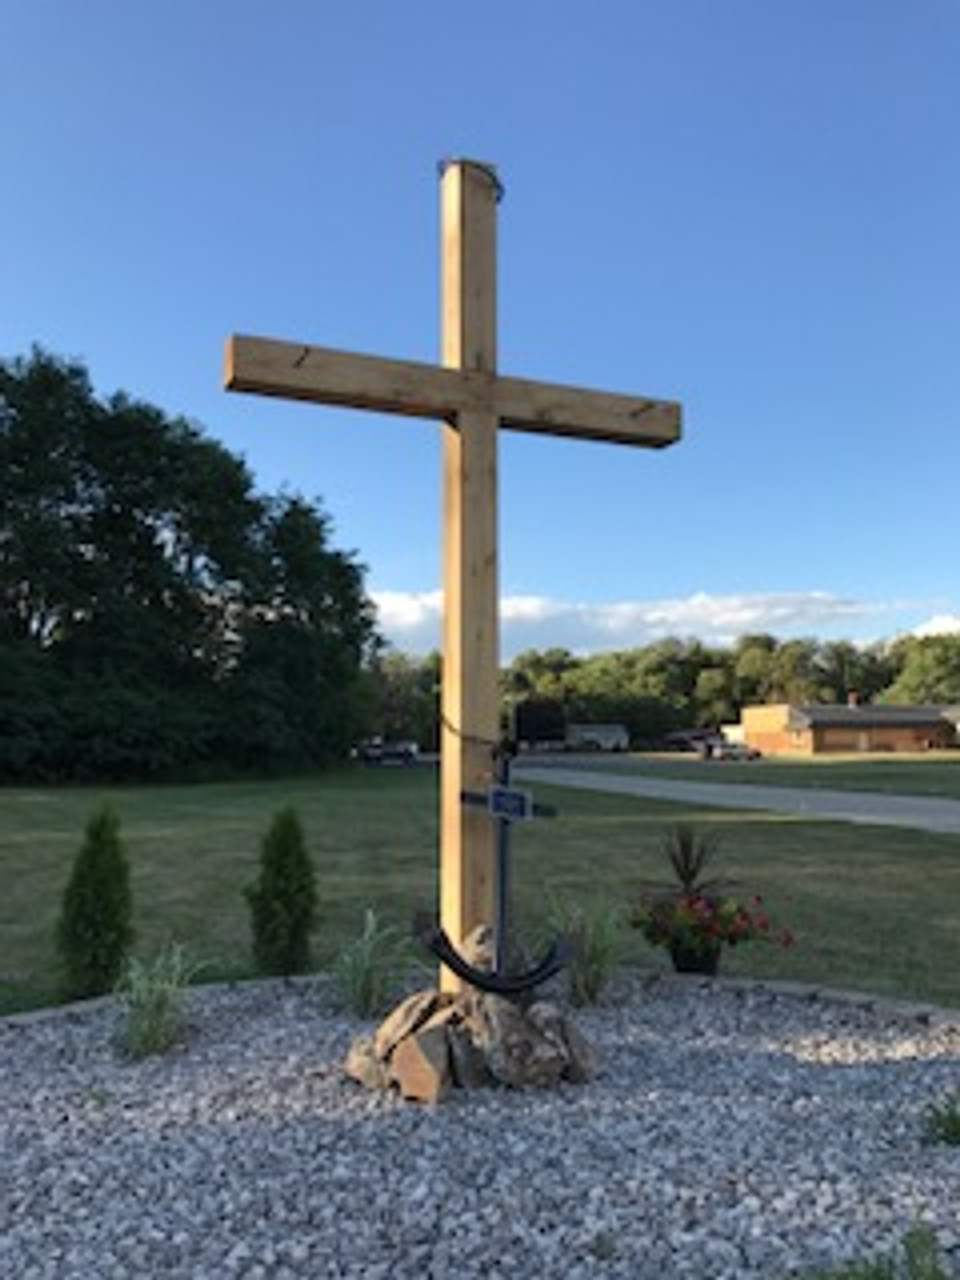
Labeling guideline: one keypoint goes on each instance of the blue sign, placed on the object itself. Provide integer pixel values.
(510, 805)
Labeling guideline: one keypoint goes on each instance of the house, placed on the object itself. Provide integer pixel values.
(783, 729)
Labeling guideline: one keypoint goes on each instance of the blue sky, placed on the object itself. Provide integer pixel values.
(750, 206)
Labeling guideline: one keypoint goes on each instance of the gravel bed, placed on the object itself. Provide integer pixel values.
(729, 1132)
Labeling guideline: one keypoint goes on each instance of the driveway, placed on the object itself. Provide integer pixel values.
(923, 813)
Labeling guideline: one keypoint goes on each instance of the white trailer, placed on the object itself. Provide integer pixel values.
(597, 737)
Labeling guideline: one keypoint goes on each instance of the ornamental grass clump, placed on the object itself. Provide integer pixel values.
(94, 931)
(592, 927)
(283, 899)
(696, 917)
(367, 971)
(151, 993)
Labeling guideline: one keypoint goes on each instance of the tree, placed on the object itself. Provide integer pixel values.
(753, 657)
(667, 670)
(166, 616)
(544, 673)
(405, 697)
(852, 672)
(716, 695)
(930, 673)
(795, 674)
(301, 642)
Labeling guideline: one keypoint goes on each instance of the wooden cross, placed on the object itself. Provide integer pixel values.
(473, 401)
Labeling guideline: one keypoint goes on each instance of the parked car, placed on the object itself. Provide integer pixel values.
(732, 751)
(382, 751)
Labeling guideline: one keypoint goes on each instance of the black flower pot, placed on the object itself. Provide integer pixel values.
(705, 960)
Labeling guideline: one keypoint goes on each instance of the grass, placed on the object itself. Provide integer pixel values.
(193, 848)
(874, 909)
(935, 773)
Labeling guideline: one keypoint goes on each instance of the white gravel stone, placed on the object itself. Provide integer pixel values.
(730, 1132)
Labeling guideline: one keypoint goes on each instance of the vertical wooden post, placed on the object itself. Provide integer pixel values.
(470, 699)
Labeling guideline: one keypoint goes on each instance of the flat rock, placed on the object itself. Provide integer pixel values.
(406, 1018)
(420, 1065)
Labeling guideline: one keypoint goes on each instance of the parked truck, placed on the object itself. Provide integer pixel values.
(597, 737)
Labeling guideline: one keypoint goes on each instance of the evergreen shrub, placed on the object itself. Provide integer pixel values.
(283, 899)
(94, 930)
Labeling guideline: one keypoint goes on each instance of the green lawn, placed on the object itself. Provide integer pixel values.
(930, 774)
(876, 909)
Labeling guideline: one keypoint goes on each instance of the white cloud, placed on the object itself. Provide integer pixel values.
(409, 612)
(411, 620)
(940, 625)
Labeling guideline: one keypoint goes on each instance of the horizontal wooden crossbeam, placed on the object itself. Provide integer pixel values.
(327, 376)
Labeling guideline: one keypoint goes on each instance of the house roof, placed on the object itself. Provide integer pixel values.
(817, 716)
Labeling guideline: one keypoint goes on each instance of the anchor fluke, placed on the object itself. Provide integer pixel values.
(503, 984)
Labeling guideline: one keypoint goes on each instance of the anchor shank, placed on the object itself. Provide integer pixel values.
(503, 875)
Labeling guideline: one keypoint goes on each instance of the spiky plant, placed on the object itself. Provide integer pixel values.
(367, 971)
(592, 925)
(689, 851)
(152, 992)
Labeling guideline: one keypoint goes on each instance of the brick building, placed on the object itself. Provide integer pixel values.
(783, 729)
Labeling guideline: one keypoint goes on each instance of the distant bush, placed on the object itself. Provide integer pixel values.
(94, 931)
(283, 899)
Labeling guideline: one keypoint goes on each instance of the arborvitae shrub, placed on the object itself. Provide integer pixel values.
(94, 932)
(283, 899)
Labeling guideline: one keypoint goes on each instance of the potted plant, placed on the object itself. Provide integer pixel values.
(696, 917)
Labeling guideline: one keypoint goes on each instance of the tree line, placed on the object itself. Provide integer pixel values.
(676, 684)
(158, 615)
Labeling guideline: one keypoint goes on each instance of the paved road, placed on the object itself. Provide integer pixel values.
(923, 813)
